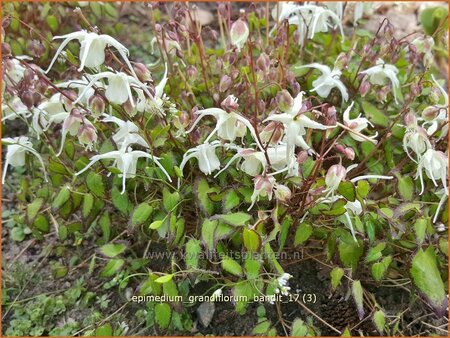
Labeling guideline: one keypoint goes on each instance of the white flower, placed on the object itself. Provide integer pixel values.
(327, 81)
(239, 34)
(435, 164)
(295, 124)
(118, 89)
(424, 45)
(415, 138)
(127, 133)
(337, 173)
(80, 85)
(229, 126)
(308, 19)
(126, 162)
(263, 187)
(357, 125)
(441, 118)
(283, 287)
(337, 7)
(92, 50)
(216, 294)
(382, 71)
(14, 72)
(171, 46)
(206, 155)
(153, 103)
(14, 109)
(51, 111)
(15, 154)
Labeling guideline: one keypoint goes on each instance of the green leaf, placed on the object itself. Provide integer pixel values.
(88, 203)
(202, 189)
(208, 229)
(347, 189)
(33, 208)
(304, 231)
(379, 269)
(431, 18)
(112, 250)
(336, 276)
(17, 234)
(252, 268)
(236, 219)
(243, 291)
(164, 279)
(374, 115)
(94, 182)
(163, 314)
(362, 188)
(357, 293)
(193, 250)
(426, 276)
(141, 214)
(52, 23)
(350, 253)
(104, 331)
(170, 200)
(299, 328)
(120, 201)
(41, 223)
(156, 225)
(420, 228)
(62, 197)
(261, 328)
(112, 267)
(380, 320)
(375, 252)
(232, 267)
(231, 200)
(252, 241)
(405, 187)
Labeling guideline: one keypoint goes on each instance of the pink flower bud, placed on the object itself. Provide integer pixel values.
(282, 192)
(142, 72)
(264, 185)
(263, 62)
(349, 153)
(87, 134)
(239, 33)
(225, 83)
(285, 100)
(302, 156)
(6, 49)
(41, 86)
(230, 104)
(364, 88)
(341, 61)
(272, 133)
(330, 116)
(430, 113)
(73, 122)
(27, 98)
(191, 72)
(410, 120)
(335, 174)
(96, 105)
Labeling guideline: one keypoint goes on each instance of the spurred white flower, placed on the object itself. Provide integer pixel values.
(327, 81)
(127, 134)
(440, 120)
(126, 162)
(14, 109)
(229, 125)
(435, 164)
(53, 110)
(216, 294)
(80, 85)
(92, 50)
(118, 89)
(358, 125)
(382, 71)
(295, 124)
(206, 156)
(264, 186)
(415, 139)
(283, 287)
(15, 154)
(239, 33)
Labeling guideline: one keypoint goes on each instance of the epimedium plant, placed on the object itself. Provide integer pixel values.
(279, 128)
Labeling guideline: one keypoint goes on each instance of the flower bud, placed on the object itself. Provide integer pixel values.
(96, 105)
(72, 122)
(410, 120)
(37, 98)
(36, 48)
(87, 134)
(142, 72)
(264, 185)
(263, 62)
(129, 108)
(27, 98)
(6, 49)
(335, 174)
(349, 153)
(285, 100)
(191, 72)
(430, 113)
(41, 86)
(28, 75)
(416, 89)
(272, 133)
(330, 116)
(282, 192)
(341, 61)
(364, 88)
(230, 104)
(239, 33)
(225, 83)
(302, 156)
